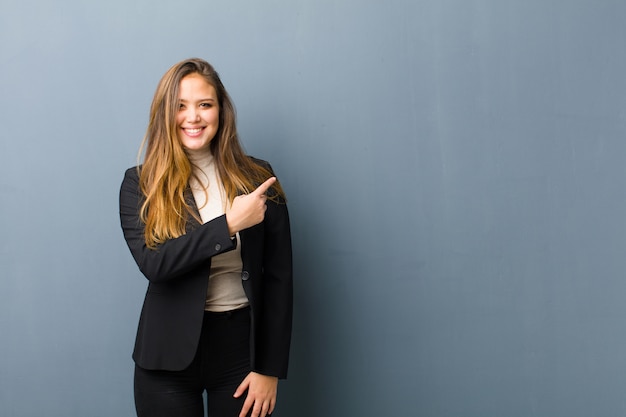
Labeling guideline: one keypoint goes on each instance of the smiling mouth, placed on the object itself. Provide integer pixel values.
(193, 132)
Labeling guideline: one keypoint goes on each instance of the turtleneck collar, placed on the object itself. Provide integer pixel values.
(200, 159)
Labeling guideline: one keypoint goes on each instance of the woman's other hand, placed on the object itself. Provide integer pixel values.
(261, 398)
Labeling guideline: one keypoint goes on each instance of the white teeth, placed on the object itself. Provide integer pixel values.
(192, 131)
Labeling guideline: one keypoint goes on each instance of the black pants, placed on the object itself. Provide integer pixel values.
(221, 363)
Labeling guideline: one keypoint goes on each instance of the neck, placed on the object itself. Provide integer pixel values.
(200, 158)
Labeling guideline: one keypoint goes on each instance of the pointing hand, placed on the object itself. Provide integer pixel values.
(248, 210)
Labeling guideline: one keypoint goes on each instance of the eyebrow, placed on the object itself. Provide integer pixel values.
(203, 99)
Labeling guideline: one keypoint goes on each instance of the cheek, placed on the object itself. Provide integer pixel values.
(215, 117)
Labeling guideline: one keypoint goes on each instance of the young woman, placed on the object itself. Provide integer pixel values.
(209, 228)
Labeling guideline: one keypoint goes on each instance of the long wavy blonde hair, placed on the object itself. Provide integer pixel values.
(166, 169)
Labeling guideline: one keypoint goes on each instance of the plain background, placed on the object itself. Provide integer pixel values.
(456, 179)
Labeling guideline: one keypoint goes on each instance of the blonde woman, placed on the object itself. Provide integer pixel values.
(209, 229)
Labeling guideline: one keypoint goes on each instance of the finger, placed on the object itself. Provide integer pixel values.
(247, 405)
(241, 388)
(256, 410)
(265, 410)
(264, 187)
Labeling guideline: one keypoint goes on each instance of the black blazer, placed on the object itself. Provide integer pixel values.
(178, 270)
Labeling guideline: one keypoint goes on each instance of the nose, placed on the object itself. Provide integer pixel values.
(192, 115)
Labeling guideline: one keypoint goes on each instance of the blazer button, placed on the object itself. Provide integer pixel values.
(245, 275)
(218, 247)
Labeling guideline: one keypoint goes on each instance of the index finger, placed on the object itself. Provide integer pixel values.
(261, 189)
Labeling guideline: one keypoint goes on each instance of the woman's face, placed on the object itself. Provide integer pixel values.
(197, 120)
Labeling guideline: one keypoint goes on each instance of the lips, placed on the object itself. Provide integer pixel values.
(192, 133)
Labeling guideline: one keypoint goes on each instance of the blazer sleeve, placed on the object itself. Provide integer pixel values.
(275, 338)
(175, 257)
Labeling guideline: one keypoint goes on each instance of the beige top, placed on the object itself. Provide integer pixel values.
(225, 291)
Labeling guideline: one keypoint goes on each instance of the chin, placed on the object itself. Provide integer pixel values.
(197, 146)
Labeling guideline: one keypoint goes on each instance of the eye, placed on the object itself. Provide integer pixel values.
(206, 105)
(181, 106)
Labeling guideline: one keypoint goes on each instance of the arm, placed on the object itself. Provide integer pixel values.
(275, 337)
(176, 256)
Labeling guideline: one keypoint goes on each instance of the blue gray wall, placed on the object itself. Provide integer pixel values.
(457, 181)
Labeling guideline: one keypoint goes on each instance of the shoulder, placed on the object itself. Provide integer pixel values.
(131, 179)
(261, 163)
(132, 173)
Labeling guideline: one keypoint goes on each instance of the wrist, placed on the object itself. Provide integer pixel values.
(232, 229)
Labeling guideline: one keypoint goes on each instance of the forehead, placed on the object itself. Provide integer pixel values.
(195, 86)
